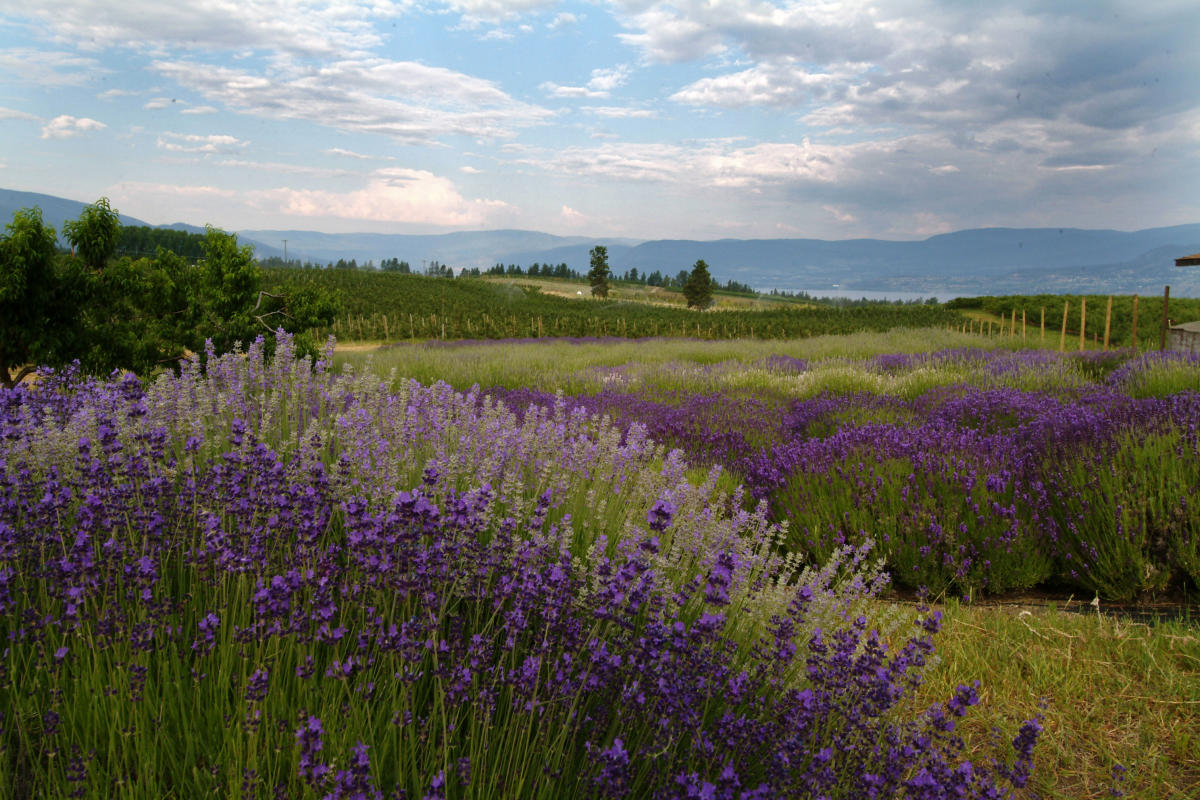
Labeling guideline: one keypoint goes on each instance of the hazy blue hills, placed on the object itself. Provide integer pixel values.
(55, 210)
(462, 249)
(970, 262)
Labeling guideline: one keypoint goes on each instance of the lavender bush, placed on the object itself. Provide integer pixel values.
(974, 470)
(262, 579)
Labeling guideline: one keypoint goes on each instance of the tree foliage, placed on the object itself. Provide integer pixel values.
(598, 274)
(142, 240)
(96, 234)
(139, 314)
(34, 320)
(698, 289)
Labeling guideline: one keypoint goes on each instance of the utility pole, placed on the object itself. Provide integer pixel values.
(285, 252)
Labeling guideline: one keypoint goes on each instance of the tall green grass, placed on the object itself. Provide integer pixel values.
(554, 364)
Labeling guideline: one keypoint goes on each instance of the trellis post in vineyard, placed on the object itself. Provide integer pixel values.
(1135, 304)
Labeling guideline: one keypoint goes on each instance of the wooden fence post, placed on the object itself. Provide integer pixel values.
(1107, 321)
(1022, 325)
(1135, 299)
(1166, 301)
(1012, 327)
(1082, 322)
(1062, 339)
(1043, 324)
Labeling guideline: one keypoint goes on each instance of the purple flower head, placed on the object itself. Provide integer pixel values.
(660, 515)
(256, 686)
(355, 783)
(613, 778)
(720, 577)
(430, 476)
(208, 633)
(964, 697)
(308, 736)
(437, 787)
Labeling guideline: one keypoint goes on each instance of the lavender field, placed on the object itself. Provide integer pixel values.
(974, 470)
(266, 577)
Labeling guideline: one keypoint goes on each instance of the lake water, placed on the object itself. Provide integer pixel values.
(860, 294)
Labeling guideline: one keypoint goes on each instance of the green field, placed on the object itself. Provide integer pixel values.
(380, 306)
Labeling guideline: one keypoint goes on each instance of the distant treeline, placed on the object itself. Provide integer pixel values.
(631, 276)
(1149, 314)
(393, 306)
(142, 240)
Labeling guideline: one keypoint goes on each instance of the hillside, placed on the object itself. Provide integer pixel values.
(985, 261)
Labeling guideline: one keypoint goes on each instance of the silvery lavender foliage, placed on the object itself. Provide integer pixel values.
(393, 572)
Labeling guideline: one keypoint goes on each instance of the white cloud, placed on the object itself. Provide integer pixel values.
(396, 195)
(66, 126)
(338, 151)
(477, 12)
(113, 93)
(564, 19)
(922, 62)
(50, 68)
(468, 169)
(281, 167)
(605, 80)
(712, 163)
(621, 112)
(841, 215)
(12, 113)
(134, 189)
(157, 103)
(570, 216)
(195, 143)
(497, 35)
(405, 100)
(764, 84)
(601, 84)
(303, 27)
(199, 110)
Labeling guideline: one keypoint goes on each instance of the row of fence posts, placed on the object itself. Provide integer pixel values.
(985, 326)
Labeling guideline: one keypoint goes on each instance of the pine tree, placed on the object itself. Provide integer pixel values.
(698, 288)
(598, 275)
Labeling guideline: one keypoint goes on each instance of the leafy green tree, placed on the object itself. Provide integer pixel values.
(96, 234)
(598, 275)
(698, 287)
(227, 284)
(139, 314)
(35, 322)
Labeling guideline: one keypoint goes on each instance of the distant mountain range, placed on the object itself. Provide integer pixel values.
(970, 262)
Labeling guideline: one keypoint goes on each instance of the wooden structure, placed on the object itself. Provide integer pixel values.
(1185, 338)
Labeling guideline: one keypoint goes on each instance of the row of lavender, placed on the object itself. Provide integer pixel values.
(974, 470)
(262, 579)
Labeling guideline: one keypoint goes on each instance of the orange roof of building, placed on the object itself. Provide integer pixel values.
(1188, 261)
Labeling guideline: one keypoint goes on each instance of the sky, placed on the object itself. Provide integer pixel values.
(895, 119)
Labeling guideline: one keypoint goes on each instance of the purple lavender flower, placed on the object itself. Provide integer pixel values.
(308, 736)
(660, 515)
(256, 686)
(355, 783)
